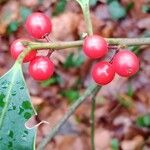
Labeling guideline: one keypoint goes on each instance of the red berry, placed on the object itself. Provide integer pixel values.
(95, 46)
(38, 25)
(103, 73)
(41, 68)
(17, 47)
(126, 63)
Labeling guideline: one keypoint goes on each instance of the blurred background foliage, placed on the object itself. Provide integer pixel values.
(123, 107)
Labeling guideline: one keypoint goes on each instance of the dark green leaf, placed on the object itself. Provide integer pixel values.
(143, 121)
(115, 144)
(60, 7)
(74, 60)
(79, 60)
(13, 26)
(116, 10)
(51, 81)
(135, 49)
(130, 91)
(129, 6)
(15, 110)
(69, 61)
(71, 94)
(25, 12)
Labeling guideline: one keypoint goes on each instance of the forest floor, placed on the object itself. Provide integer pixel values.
(122, 116)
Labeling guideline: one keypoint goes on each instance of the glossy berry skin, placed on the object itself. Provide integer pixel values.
(41, 68)
(95, 46)
(126, 63)
(17, 47)
(103, 73)
(38, 25)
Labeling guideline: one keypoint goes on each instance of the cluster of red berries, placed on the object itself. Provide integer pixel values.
(125, 63)
(38, 26)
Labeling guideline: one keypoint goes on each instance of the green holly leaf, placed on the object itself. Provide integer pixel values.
(15, 110)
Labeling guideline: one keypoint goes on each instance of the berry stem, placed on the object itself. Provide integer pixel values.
(111, 59)
(48, 40)
(92, 121)
(73, 44)
(87, 18)
(56, 45)
(90, 91)
(23, 54)
(86, 13)
(128, 41)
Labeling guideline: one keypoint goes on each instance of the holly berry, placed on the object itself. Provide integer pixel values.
(38, 25)
(41, 68)
(95, 46)
(126, 63)
(103, 73)
(17, 47)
